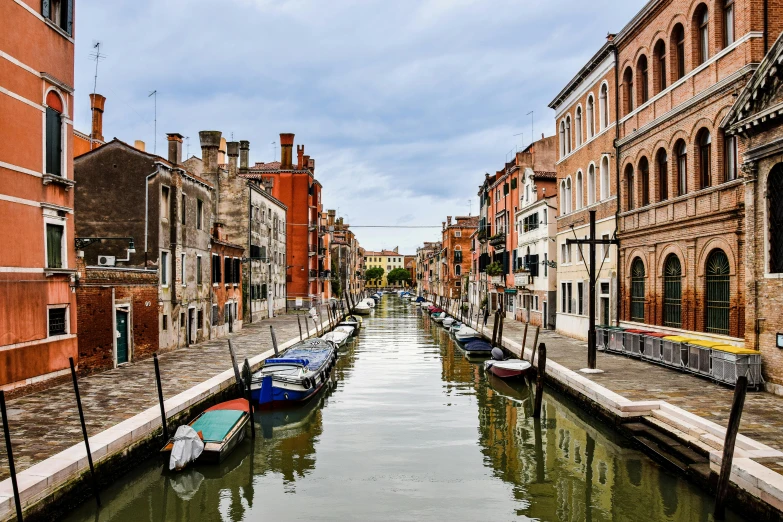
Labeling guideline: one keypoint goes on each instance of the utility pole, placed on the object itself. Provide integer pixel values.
(155, 142)
(592, 242)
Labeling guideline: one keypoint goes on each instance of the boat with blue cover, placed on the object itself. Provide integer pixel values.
(294, 376)
(477, 348)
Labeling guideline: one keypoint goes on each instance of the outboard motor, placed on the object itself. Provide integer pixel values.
(497, 354)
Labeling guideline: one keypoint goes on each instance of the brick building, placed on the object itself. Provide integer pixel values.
(681, 222)
(346, 257)
(307, 261)
(454, 257)
(755, 121)
(227, 305)
(424, 268)
(585, 112)
(38, 322)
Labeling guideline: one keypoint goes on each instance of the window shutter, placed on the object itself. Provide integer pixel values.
(54, 246)
(46, 9)
(69, 17)
(505, 189)
(53, 142)
(514, 183)
(236, 271)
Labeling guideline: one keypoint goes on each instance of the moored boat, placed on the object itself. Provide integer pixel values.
(447, 322)
(337, 337)
(477, 348)
(295, 375)
(438, 317)
(506, 368)
(466, 334)
(362, 309)
(220, 429)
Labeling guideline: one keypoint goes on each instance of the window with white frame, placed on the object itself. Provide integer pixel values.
(56, 256)
(57, 320)
(164, 268)
(603, 101)
(605, 248)
(60, 13)
(590, 114)
(579, 190)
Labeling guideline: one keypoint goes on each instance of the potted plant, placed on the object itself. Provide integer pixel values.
(494, 269)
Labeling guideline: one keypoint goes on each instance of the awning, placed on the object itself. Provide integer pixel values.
(511, 290)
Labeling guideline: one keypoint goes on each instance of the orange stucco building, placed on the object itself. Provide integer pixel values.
(37, 260)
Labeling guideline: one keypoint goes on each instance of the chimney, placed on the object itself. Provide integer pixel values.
(222, 152)
(97, 103)
(232, 147)
(300, 157)
(138, 144)
(448, 219)
(286, 150)
(175, 148)
(244, 155)
(210, 143)
(310, 165)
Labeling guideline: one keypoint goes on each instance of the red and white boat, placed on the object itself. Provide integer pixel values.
(508, 369)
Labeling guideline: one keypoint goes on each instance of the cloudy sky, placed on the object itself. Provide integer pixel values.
(404, 104)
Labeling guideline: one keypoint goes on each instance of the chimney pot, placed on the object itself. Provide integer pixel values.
(138, 144)
(97, 103)
(300, 157)
(210, 143)
(311, 165)
(286, 150)
(232, 148)
(175, 148)
(244, 155)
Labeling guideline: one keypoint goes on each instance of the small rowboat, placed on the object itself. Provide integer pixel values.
(337, 337)
(220, 428)
(466, 334)
(362, 309)
(477, 348)
(507, 369)
(447, 322)
(346, 329)
(438, 317)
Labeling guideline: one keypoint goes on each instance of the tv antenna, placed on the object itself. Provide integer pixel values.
(274, 150)
(532, 133)
(155, 142)
(470, 202)
(187, 147)
(97, 57)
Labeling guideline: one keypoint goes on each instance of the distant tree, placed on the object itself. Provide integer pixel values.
(374, 273)
(337, 287)
(398, 275)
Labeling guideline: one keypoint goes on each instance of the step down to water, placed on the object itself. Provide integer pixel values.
(666, 448)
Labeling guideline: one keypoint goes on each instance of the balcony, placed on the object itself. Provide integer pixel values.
(522, 278)
(482, 236)
(498, 242)
(497, 280)
(313, 275)
(311, 250)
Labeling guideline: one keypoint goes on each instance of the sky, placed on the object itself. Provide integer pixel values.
(403, 104)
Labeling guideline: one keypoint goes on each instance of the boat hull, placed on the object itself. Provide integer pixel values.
(505, 373)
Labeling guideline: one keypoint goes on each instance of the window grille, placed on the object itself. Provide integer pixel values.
(57, 323)
(672, 292)
(637, 291)
(718, 293)
(775, 212)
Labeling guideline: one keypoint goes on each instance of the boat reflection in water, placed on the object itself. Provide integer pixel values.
(409, 429)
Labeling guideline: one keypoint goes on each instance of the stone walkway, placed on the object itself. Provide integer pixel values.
(47, 422)
(637, 380)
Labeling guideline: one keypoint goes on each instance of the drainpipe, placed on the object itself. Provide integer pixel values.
(617, 170)
(766, 27)
(248, 299)
(147, 212)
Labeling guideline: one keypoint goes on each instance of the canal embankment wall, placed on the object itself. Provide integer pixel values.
(755, 489)
(63, 481)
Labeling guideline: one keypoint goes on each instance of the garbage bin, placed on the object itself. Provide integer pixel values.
(675, 350)
(653, 346)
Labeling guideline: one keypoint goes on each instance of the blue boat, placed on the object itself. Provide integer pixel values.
(477, 348)
(295, 375)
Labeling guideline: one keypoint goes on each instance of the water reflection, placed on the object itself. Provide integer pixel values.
(409, 429)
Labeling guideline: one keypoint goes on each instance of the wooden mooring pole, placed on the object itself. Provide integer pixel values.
(540, 380)
(10, 452)
(274, 339)
(533, 350)
(524, 342)
(299, 322)
(84, 432)
(495, 328)
(728, 447)
(160, 394)
(248, 378)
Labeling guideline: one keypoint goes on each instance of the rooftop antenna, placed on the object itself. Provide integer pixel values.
(97, 57)
(187, 146)
(523, 139)
(470, 202)
(532, 132)
(155, 143)
(274, 150)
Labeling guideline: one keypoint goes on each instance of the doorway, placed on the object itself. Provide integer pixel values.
(605, 310)
(191, 326)
(545, 317)
(122, 336)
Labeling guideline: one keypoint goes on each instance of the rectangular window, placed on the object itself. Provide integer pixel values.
(563, 306)
(200, 320)
(164, 268)
(199, 276)
(731, 158)
(54, 245)
(182, 217)
(214, 315)
(546, 264)
(58, 321)
(199, 214)
(570, 297)
(458, 233)
(165, 322)
(563, 248)
(164, 202)
(605, 248)
(728, 23)
(228, 276)
(580, 294)
(60, 13)
(182, 269)
(182, 320)
(53, 142)
(235, 271)
(215, 269)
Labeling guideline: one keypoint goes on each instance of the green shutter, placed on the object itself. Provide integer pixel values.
(53, 142)
(54, 246)
(45, 9)
(68, 18)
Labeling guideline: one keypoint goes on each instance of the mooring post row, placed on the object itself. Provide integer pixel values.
(10, 453)
(84, 431)
(540, 380)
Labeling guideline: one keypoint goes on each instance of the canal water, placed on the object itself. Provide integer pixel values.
(410, 430)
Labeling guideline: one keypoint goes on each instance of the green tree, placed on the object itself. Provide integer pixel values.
(398, 275)
(374, 273)
(337, 287)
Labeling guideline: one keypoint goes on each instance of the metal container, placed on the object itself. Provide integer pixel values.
(729, 362)
(675, 350)
(700, 356)
(653, 347)
(617, 339)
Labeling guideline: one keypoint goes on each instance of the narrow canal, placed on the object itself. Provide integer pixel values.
(411, 430)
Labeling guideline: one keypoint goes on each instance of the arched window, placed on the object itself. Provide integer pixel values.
(728, 23)
(591, 184)
(718, 294)
(458, 268)
(604, 102)
(568, 133)
(644, 76)
(562, 139)
(578, 122)
(660, 63)
(682, 167)
(629, 185)
(678, 43)
(579, 191)
(605, 177)
(54, 134)
(590, 117)
(644, 181)
(672, 292)
(568, 201)
(628, 86)
(662, 160)
(705, 158)
(730, 154)
(702, 23)
(637, 290)
(775, 213)
(563, 209)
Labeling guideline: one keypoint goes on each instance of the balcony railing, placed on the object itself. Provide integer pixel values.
(311, 250)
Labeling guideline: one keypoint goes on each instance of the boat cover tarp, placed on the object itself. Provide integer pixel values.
(419, 299)
(236, 404)
(315, 356)
(214, 425)
(288, 360)
(187, 447)
(478, 346)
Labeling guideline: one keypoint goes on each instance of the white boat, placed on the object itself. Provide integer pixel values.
(426, 304)
(369, 302)
(346, 329)
(438, 317)
(362, 309)
(507, 369)
(466, 333)
(447, 322)
(336, 337)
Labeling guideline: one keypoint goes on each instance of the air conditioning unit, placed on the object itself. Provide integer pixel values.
(107, 260)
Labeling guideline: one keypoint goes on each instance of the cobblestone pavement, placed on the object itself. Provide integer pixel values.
(762, 417)
(47, 422)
